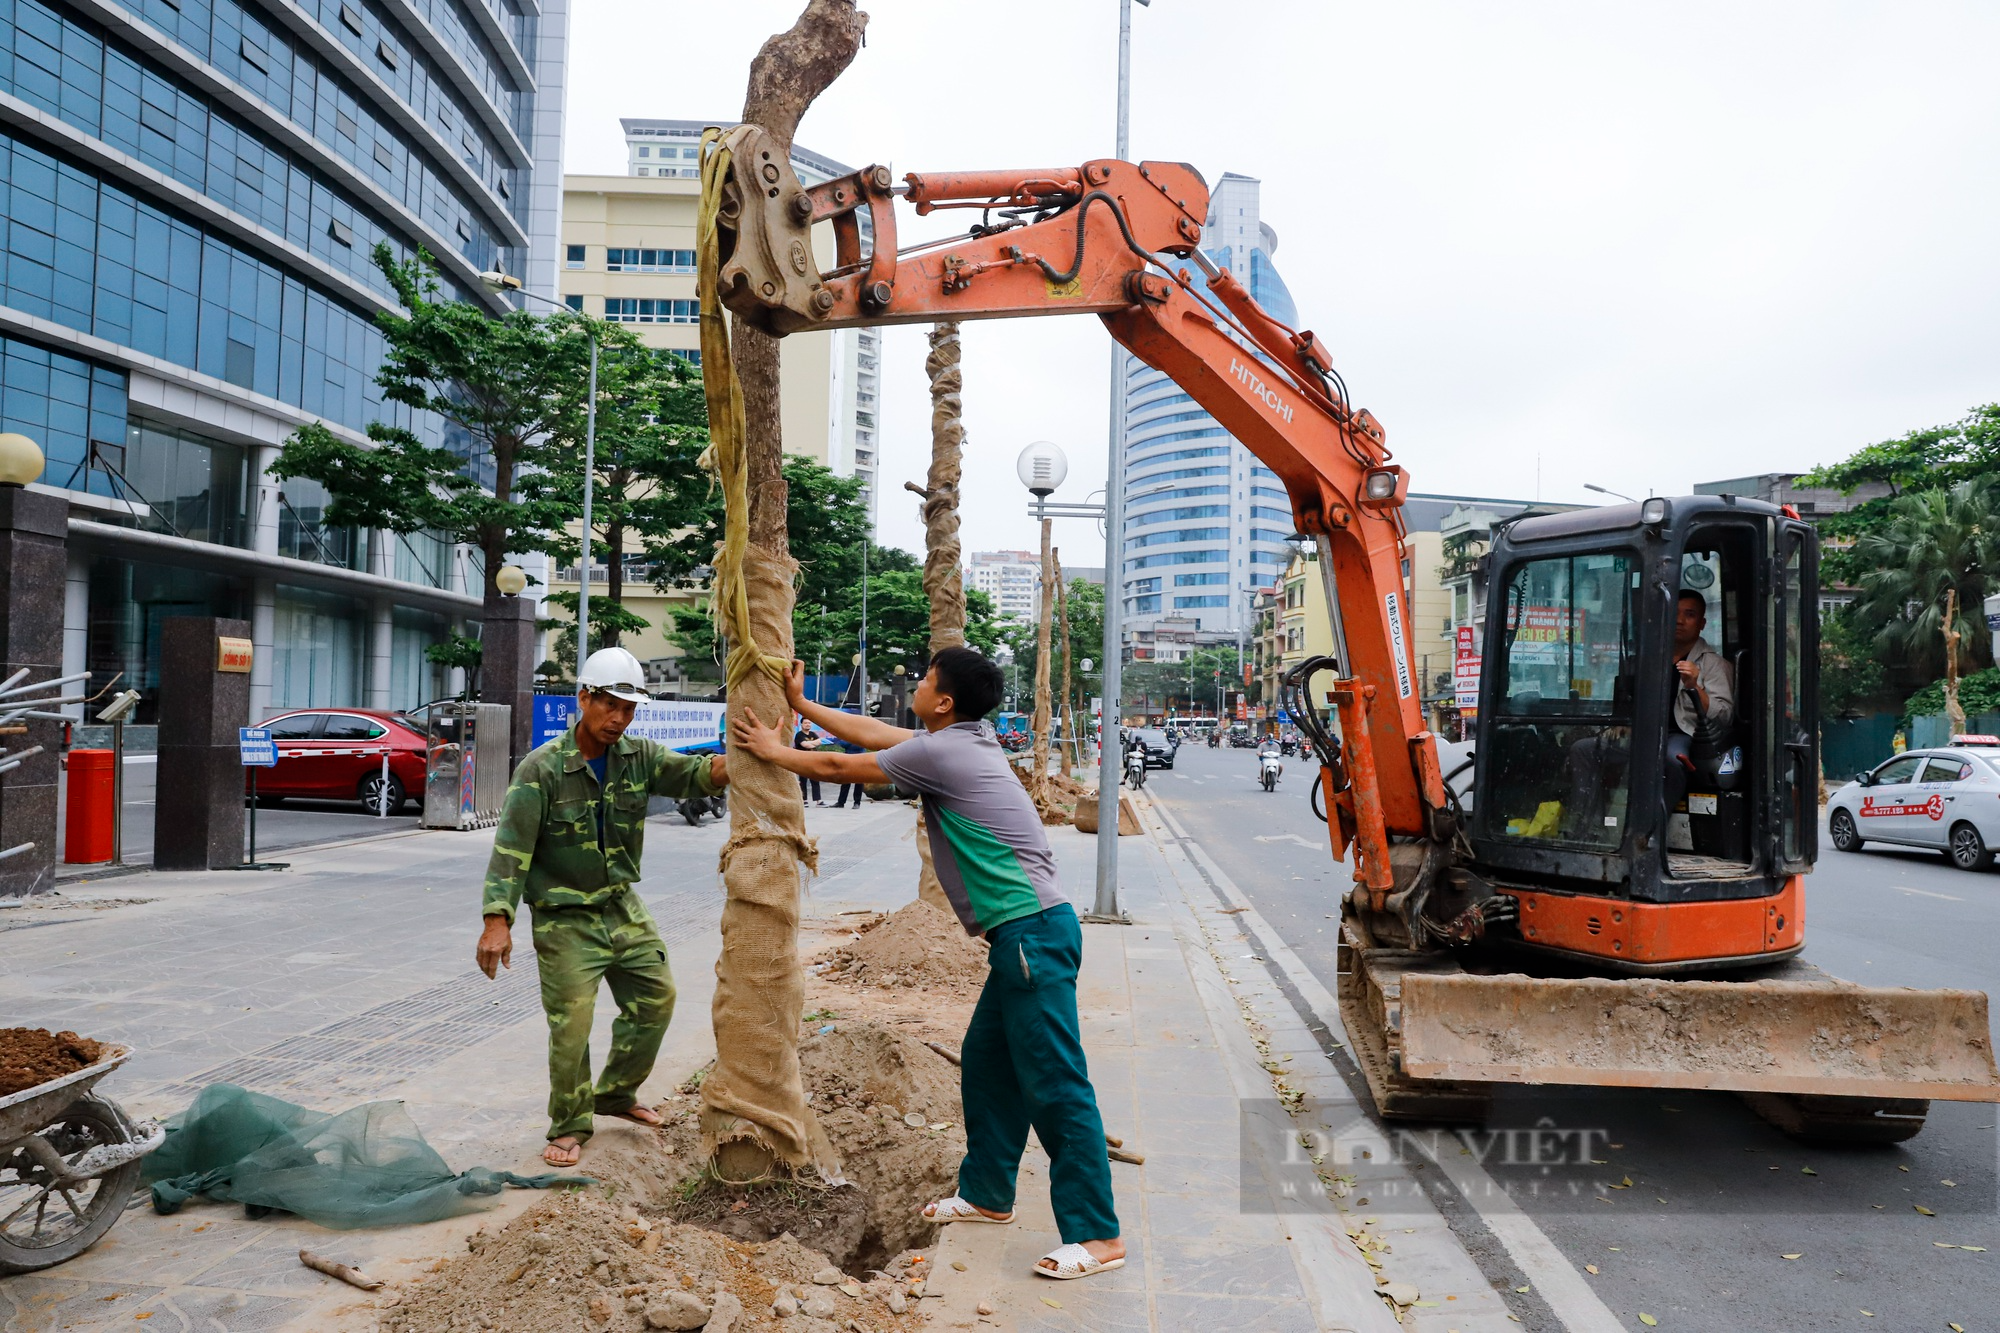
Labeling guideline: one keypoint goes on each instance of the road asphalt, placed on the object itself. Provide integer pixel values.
(1725, 1223)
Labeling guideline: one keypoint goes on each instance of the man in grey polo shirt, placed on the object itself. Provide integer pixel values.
(1022, 1061)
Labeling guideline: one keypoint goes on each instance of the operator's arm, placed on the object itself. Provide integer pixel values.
(679, 775)
(1720, 703)
(768, 743)
(870, 733)
(513, 848)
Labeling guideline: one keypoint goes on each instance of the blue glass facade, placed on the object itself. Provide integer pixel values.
(1164, 468)
(190, 194)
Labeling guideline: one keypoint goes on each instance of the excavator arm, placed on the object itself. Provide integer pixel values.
(1121, 240)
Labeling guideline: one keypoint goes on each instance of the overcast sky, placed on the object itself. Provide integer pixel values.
(1642, 245)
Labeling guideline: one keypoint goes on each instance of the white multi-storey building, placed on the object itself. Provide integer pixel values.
(1205, 522)
(671, 148)
(1012, 579)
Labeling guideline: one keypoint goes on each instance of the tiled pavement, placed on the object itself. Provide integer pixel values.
(349, 978)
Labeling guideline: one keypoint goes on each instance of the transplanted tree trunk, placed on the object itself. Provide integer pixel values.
(1043, 614)
(1065, 707)
(1954, 712)
(755, 1121)
(944, 582)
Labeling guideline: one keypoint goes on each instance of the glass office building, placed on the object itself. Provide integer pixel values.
(1205, 522)
(190, 191)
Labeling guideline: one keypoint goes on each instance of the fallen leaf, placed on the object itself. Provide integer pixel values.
(1598, 1161)
(1590, 1269)
(1925, 1211)
(1649, 1321)
(1052, 1302)
(1612, 1248)
(1521, 1288)
(1902, 1168)
(1614, 1145)
(1807, 1171)
(1942, 1246)
(1792, 1256)
(1976, 1249)
(1949, 1184)
(1869, 1313)
(1876, 1206)
(959, 1266)
(1956, 1328)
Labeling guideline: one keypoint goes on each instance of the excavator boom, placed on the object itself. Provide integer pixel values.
(1121, 241)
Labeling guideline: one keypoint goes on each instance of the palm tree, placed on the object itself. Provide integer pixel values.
(1927, 568)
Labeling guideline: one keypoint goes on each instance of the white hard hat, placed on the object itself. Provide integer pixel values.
(617, 673)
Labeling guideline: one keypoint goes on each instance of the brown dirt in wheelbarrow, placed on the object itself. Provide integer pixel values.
(36, 1055)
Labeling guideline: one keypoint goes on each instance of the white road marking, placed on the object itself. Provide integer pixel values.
(1288, 837)
(1542, 1264)
(1926, 893)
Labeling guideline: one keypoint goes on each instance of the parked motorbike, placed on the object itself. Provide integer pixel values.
(694, 808)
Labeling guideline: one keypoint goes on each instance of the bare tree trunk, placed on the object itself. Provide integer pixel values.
(754, 1117)
(1954, 712)
(1044, 612)
(1065, 710)
(944, 582)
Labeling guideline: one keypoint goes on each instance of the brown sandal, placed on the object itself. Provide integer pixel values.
(637, 1115)
(555, 1154)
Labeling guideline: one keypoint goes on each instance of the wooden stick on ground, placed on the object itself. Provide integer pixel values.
(352, 1276)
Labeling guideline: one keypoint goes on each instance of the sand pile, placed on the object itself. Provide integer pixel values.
(35, 1055)
(578, 1263)
(890, 1106)
(915, 946)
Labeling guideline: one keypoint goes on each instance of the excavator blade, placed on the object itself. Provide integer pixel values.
(1795, 1031)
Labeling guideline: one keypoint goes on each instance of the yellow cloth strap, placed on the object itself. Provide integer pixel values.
(728, 456)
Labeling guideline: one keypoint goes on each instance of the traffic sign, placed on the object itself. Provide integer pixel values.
(256, 747)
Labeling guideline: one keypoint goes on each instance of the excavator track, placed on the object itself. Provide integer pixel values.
(1371, 1010)
(1840, 1121)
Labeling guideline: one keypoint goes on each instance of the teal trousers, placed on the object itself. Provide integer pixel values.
(1022, 1065)
(576, 948)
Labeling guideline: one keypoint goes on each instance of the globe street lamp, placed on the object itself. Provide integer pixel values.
(507, 282)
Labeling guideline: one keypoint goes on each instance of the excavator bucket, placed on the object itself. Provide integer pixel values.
(1795, 1030)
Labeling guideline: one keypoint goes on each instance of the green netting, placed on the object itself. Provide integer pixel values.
(364, 1167)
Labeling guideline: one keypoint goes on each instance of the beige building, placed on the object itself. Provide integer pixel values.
(627, 255)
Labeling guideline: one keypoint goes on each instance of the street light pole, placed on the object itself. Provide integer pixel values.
(1105, 908)
(507, 282)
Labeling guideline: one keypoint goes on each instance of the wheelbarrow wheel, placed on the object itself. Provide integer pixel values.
(43, 1223)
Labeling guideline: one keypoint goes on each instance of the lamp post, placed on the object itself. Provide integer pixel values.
(1042, 468)
(1606, 490)
(506, 282)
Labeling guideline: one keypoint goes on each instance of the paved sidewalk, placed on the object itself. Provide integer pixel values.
(349, 978)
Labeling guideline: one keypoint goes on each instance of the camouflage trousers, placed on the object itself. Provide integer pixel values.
(575, 948)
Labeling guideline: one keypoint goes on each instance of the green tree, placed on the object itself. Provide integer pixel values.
(649, 487)
(511, 386)
(1086, 637)
(1928, 567)
(1933, 459)
(1851, 675)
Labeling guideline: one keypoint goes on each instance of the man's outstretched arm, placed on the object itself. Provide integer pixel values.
(767, 743)
(870, 733)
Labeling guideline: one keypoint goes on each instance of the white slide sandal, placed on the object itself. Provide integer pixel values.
(1073, 1261)
(956, 1209)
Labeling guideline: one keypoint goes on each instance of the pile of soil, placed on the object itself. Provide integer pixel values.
(1059, 805)
(579, 1263)
(916, 946)
(889, 1105)
(35, 1055)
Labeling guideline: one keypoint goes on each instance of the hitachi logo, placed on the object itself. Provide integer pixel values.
(1257, 386)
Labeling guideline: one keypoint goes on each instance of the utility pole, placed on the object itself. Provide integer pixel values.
(1105, 908)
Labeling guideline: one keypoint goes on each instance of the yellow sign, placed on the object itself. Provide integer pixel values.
(1063, 290)
(232, 654)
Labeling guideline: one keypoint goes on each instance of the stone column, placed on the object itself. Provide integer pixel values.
(34, 533)
(381, 620)
(198, 821)
(76, 625)
(507, 664)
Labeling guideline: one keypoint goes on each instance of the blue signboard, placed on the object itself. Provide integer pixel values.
(676, 724)
(1283, 716)
(256, 747)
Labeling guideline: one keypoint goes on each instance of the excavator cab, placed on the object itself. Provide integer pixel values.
(1601, 780)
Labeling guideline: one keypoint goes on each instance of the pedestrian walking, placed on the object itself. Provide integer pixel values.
(570, 837)
(1022, 1061)
(808, 787)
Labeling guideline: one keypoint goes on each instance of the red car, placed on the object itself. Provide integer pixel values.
(335, 754)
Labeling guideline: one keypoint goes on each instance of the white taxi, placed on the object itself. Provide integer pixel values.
(1945, 799)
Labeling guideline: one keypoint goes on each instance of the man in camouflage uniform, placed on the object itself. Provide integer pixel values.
(569, 842)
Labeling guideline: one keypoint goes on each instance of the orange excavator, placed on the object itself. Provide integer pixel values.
(1610, 889)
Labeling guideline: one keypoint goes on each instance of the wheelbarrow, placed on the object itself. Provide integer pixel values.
(69, 1161)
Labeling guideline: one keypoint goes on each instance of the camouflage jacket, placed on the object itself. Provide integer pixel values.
(547, 848)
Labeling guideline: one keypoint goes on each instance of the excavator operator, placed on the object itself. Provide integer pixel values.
(1704, 692)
